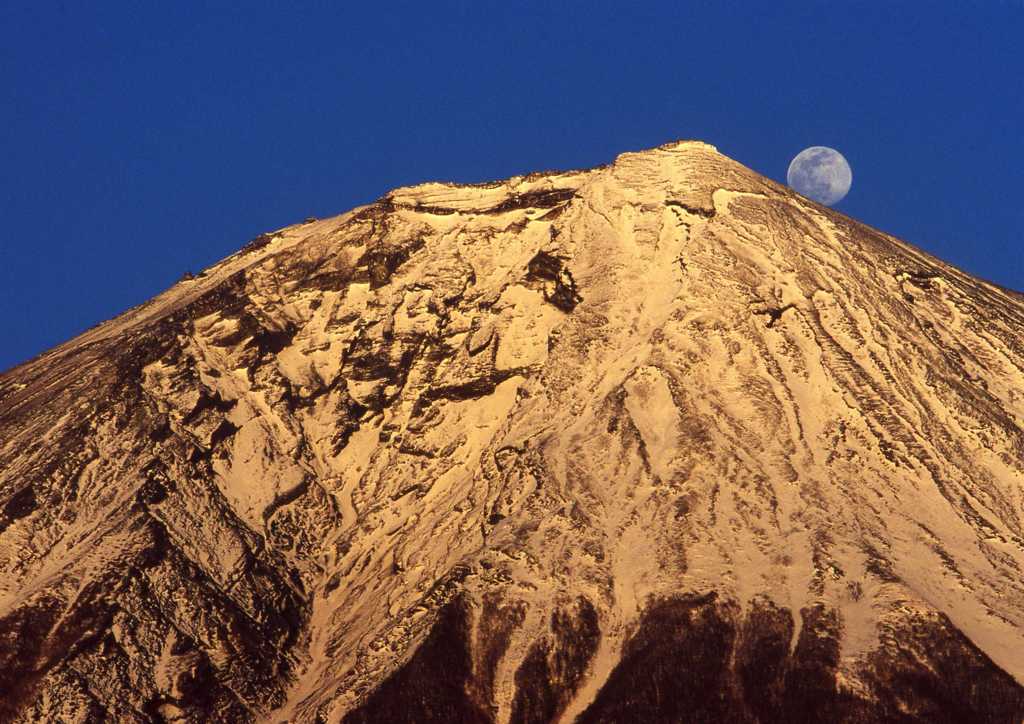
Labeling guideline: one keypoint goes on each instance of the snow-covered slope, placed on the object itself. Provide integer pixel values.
(657, 441)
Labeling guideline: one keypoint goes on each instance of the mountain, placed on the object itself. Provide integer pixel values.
(657, 441)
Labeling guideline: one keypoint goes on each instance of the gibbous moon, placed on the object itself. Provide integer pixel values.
(820, 173)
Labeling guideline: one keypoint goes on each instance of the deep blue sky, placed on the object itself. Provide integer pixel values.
(144, 139)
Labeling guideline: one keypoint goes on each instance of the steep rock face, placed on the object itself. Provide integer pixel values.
(658, 441)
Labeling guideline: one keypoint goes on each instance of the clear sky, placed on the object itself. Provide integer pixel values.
(143, 140)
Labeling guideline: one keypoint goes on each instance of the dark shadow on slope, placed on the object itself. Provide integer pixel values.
(432, 686)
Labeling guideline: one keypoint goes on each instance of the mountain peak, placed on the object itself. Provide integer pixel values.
(552, 448)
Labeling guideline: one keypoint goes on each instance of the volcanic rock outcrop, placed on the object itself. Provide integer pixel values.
(660, 441)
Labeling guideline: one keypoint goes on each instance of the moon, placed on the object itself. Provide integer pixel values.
(820, 173)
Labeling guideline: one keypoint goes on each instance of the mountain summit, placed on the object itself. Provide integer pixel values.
(660, 441)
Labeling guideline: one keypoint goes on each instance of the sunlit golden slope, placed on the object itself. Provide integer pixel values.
(658, 441)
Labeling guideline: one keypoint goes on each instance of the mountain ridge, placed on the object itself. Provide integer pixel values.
(558, 432)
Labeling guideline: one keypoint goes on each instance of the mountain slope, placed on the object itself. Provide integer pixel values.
(657, 441)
